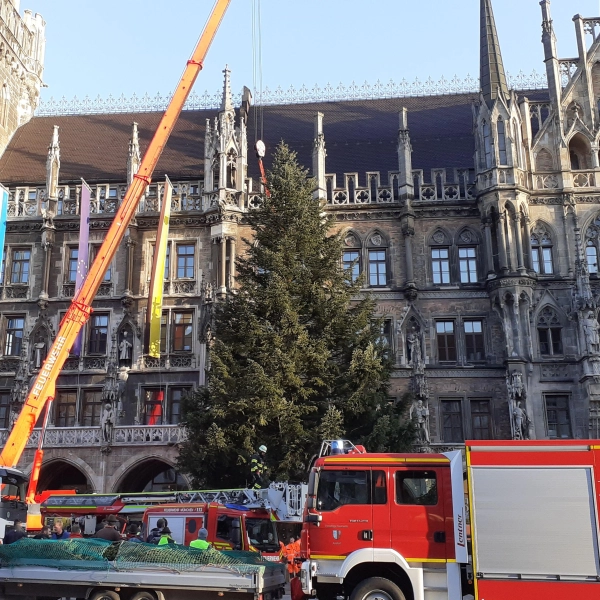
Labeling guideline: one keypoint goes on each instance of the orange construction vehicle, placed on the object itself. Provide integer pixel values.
(43, 388)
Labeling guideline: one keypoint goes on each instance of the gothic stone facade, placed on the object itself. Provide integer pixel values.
(475, 218)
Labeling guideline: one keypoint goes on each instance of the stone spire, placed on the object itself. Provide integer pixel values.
(227, 102)
(53, 165)
(492, 79)
(134, 155)
(318, 157)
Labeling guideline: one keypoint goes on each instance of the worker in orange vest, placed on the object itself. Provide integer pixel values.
(291, 551)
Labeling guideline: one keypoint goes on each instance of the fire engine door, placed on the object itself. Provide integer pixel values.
(344, 501)
(417, 513)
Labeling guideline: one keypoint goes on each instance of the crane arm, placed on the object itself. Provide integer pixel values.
(80, 309)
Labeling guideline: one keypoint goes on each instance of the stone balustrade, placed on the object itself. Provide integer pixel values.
(84, 437)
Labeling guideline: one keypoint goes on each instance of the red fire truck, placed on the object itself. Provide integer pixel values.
(230, 527)
(394, 526)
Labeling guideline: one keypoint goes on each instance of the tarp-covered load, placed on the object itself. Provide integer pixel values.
(102, 555)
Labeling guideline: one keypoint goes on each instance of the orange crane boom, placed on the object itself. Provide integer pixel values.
(80, 309)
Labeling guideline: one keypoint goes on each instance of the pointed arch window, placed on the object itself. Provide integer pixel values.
(351, 257)
(541, 252)
(377, 254)
(501, 129)
(591, 257)
(549, 333)
(487, 144)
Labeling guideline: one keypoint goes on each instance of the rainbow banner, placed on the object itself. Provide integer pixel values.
(3, 220)
(155, 293)
(83, 262)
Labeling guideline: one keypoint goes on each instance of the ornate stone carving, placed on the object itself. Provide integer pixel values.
(419, 414)
(376, 239)
(590, 331)
(350, 240)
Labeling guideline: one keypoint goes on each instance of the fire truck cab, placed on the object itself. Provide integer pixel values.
(394, 526)
(230, 527)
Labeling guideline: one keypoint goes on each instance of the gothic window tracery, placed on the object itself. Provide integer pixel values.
(549, 332)
(487, 144)
(216, 172)
(501, 130)
(591, 257)
(541, 251)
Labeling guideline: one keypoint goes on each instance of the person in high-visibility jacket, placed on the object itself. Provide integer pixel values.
(165, 537)
(201, 543)
(258, 469)
(291, 552)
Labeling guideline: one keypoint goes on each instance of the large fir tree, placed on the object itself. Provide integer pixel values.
(296, 357)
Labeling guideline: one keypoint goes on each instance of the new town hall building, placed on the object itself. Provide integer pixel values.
(474, 216)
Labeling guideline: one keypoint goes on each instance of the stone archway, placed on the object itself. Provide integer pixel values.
(61, 474)
(150, 474)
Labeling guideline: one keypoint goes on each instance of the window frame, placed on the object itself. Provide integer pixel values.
(567, 412)
(94, 339)
(7, 332)
(592, 267)
(185, 257)
(153, 402)
(5, 408)
(181, 326)
(549, 333)
(444, 402)
(94, 420)
(472, 271)
(440, 261)
(93, 253)
(474, 335)
(354, 264)
(542, 253)
(444, 335)
(21, 262)
(66, 420)
(473, 415)
(377, 263)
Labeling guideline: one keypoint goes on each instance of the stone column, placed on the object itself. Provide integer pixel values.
(502, 243)
(47, 245)
(130, 245)
(519, 242)
(408, 256)
(529, 261)
(489, 250)
(222, 265)
(231, 274)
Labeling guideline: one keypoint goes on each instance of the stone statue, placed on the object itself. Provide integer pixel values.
(515, 385)
(590, 330)
(521, 423)
(125, 349)
(420, 414)
(40, 353)
(414, 349)
(107, 422)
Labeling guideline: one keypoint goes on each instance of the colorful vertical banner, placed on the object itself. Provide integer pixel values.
(83, 262)
(155, 294)
(3, 220)
(155, 416)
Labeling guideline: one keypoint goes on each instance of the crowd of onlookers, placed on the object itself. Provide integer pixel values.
(108, 530)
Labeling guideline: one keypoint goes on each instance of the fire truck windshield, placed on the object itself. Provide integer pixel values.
(12, 488)
(262, 534)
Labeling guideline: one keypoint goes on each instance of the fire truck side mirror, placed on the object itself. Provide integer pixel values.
(312, 518)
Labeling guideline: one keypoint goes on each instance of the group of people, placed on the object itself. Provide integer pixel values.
(58, 532)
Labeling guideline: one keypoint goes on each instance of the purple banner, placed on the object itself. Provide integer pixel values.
(82, 251)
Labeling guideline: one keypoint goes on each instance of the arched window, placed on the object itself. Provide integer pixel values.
(549, 333)
(351, 256)
(501, 129)
(579, 153)
(517, 139)
(377, 257)
(541, 252)
(591, 256)
(467, 243)
(487, 144)
(440, 258)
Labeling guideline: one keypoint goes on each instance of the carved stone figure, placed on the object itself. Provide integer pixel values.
(515, 385)
(125, 350)
(521, 423)
(40, 353)
(107, 422)
(414, 349)
(419, 412)
(590, 330)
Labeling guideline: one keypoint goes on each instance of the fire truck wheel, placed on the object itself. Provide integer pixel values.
(144, 596)
(105, 595)
(377, 588)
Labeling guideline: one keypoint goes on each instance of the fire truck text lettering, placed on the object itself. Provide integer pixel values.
(461, 529)
(43, 376)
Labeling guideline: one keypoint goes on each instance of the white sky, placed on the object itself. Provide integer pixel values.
(125, 46)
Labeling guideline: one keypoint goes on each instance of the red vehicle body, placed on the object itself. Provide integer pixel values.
(229, 527)
(394, 526)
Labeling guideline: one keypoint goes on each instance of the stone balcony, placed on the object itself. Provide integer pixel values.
(85, 437)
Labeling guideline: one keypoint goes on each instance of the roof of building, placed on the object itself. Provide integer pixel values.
(360, 136)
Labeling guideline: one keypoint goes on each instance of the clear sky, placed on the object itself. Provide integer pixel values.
(125, 46)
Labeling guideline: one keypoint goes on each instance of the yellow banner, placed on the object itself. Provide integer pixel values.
(153, 318)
